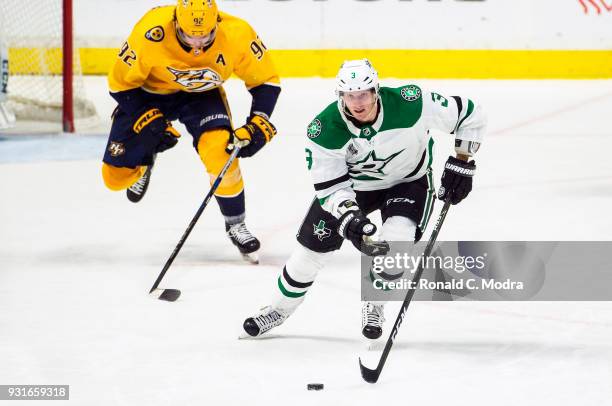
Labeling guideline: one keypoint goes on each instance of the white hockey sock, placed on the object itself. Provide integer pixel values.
(398, 228)
(297, 277)
(395, 229)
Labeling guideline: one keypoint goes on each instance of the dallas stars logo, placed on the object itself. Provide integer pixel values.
(372, 164)
(321, 231)
(314, 128)
(410, 93)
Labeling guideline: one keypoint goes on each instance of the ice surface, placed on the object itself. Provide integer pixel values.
(77, 261)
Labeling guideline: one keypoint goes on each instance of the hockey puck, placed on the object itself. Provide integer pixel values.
(315, 386)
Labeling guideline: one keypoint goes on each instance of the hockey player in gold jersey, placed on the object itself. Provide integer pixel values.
(172, 67)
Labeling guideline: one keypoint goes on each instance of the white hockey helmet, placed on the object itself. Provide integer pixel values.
(356, 75)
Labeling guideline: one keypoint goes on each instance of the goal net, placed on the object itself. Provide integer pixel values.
(41, 87)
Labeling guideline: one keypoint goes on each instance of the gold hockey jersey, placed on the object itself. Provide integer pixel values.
(153, 58)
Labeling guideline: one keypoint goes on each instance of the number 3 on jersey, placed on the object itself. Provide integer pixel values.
(309, 158)
(435, 97)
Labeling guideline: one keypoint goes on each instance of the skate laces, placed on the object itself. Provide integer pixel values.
(138, 187)
(240, 233)
(269, 318)
(373, 315)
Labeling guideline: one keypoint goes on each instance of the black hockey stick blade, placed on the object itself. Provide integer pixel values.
(369, 375)
(169, 295)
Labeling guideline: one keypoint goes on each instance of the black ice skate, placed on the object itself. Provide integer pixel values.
(136, 192)
(372, 319)
(246, 242)
(267, 319)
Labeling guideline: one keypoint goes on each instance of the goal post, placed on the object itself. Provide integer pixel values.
(67, 58)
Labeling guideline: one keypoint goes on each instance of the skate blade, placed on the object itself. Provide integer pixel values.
(252, 258)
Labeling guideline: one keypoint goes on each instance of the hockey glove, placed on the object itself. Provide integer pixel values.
(155, 131)
(357, 228)
(252, 136)
(456, 180)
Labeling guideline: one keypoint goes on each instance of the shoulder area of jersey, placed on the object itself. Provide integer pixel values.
(329, 116)
(409, 92)
(328, 129)
(233, 25)
(156, 23)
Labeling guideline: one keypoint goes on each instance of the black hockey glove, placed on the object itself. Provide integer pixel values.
(456, 180)
(252, 136)
(356, 228)
(155, 132)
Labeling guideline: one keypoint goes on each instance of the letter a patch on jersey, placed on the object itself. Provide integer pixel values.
(220, 60)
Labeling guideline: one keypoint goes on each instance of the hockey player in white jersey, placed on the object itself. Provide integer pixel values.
(371, 150)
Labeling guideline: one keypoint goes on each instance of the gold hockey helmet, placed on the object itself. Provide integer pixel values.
(196, 18)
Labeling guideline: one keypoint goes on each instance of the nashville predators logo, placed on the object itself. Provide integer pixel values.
(196, 80)
(155, 34)
(116, 149)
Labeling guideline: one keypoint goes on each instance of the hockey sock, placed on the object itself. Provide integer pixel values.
(232, 208)
(398, 228)
(297, 276)
(395, 229)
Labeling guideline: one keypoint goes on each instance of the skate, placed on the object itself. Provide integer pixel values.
(372, 319)
(136, 192)
(267, 319)
(246, 242)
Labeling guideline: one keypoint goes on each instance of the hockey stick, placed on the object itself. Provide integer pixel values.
(372, 375)
(171, 295)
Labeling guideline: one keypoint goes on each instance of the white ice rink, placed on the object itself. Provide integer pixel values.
(76, 263)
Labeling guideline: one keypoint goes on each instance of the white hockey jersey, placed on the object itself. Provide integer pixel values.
(395, 148)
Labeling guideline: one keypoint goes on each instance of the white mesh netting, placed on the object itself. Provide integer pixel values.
(32, 31)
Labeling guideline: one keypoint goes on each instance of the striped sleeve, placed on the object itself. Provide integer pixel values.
(455, 115)
(471, 120)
